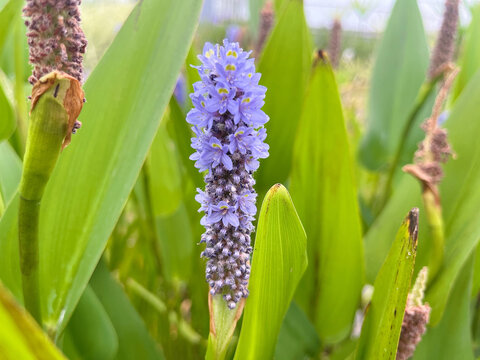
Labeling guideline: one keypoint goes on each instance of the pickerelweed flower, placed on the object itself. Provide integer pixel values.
(55, 38)
(227, 121)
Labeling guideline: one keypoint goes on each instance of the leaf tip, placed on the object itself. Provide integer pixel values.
(412, 219)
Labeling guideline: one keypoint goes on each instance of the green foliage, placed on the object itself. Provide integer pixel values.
(20, 336)
(119, 124)
(285, 66)
(124, 190)
(279, 261)
(383, 319)
(297, 336)
(399, 72)
(323, 189)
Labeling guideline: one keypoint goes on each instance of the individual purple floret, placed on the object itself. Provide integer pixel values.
(227, 121)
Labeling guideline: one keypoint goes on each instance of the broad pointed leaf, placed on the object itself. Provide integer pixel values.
(279, 260)
(323, 188)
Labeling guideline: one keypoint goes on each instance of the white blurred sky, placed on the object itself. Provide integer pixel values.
(371, 15)
(356, 15)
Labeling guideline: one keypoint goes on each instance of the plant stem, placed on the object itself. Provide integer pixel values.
(28, 240)
(48, 128)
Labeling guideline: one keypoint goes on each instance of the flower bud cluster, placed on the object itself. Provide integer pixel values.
(227, 121)
(55, 38)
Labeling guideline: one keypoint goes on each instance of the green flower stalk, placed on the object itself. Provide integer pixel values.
(57, 100)
(56, 45)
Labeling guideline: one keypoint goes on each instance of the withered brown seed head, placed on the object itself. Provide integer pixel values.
(267, 16)
(445, 45)
(55, 38)
(413, 327)
(335, 46)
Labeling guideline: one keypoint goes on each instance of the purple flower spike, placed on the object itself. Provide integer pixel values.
(229, 139)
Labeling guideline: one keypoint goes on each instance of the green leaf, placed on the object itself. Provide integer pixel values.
(379, 237)
(164, 172)
(383, 320)
(323, 189)
(279, 260)
(398, 74)
(7, 113)
(285, 66)
(470, 60)
(126, 97)
(298, 338)
(20, 336)
(176, 243)
(8, 14)
(91, 330)
(451, 339)
(10, 171)
(134, 341)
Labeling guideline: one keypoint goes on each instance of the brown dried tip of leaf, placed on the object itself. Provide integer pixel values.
(72, 102)
(413, 327)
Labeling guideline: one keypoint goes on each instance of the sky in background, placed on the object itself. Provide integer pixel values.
(356, 15)
(372, 15)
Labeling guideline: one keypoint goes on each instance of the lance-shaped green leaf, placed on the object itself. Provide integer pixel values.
(20, 336)
(134, 341)
(285, 66)
(379, 238)
(398, 74)
(383, 320)
(10, 172)
(323, 189)
(8, 13)
(7, 113)
(451, 338)
(90, 329)
(127, 94)
(279, 260)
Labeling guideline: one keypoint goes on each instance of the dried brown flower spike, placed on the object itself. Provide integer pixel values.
(415, 319)
(445, 46)
(335, 45)
(55, 38)
(434, 150)
(267, 16)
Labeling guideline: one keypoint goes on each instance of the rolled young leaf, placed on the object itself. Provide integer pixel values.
(279, 260)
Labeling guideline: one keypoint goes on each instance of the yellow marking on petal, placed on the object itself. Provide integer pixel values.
(223, 207)
(250, 75)
(209, 53)
(232, 53)
(230, 67)
(203, 103)
(216, 146)
(241, 132)
(246, 100)
(223, 91)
